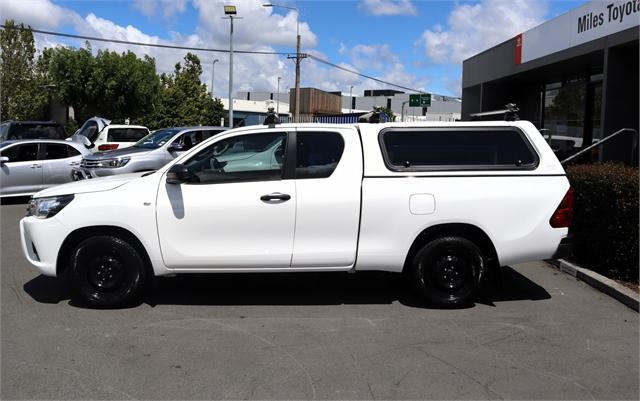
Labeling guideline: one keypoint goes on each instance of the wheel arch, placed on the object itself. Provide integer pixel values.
(468, 231)
(80, 234)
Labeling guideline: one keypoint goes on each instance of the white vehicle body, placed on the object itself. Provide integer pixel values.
(365, 216)
(100, 135)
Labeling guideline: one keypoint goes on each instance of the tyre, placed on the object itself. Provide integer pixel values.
(446, 271)
(108, 272)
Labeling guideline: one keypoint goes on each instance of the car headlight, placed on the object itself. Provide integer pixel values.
(119, 162)
(43, 208)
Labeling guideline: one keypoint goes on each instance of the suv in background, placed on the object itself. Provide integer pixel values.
(148, 154)
(15, 130)
(98, 134)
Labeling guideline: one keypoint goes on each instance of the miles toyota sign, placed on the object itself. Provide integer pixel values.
(581, 25)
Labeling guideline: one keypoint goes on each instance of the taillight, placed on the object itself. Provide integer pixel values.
(109, 146)
(563, 215)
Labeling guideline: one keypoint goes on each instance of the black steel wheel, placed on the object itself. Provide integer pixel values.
(446, 271)
(108, 272)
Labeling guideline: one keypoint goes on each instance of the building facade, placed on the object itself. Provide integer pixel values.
(576, 76)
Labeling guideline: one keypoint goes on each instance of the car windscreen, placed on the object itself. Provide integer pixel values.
(156, 139)
(36, 131)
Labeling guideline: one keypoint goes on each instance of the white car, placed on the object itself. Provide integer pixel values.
(98, 134)
(444, 203)
(30, 165)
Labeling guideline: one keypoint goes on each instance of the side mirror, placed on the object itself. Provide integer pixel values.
(177, 174)
(175, 147)
(4, 159)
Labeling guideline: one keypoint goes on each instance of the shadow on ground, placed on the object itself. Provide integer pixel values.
(293, 289)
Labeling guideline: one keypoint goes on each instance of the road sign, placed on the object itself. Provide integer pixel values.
(420, 100)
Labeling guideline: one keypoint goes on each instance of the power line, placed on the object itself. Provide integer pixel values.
(126, 42)
(362, 75)
(206, 49)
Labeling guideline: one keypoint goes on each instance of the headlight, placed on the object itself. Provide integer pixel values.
(43, 208)
(114, 162)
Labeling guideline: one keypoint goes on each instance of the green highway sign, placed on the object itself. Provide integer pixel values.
(420, 100)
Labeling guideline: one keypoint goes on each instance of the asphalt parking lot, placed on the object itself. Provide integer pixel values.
(541, 335)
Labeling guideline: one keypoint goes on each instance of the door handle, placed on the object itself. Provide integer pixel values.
(35, 166)
(275, 196)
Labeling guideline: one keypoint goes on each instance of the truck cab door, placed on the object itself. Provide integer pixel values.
(237, 210)
(328, 180)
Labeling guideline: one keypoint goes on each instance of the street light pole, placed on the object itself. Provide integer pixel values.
(298, 56)
(213, 75)
(278, 97)
(231, 12)
(350, 99)
(402, 110)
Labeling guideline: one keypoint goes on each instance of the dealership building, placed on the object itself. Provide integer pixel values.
(576, 76)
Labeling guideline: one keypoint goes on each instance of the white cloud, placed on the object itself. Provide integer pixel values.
(259, 26)
(474, 28)
(39, 14)
(168, 7)
(388, 7)
(374, 57)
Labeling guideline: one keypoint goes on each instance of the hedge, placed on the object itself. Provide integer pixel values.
(605, 226)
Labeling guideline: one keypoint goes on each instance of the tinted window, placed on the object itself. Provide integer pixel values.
(126, 134)
(89, 130)
(318, 154)
(71, 151)
(36, 131)
(472, 148)
(156, 139)
(22, 153)
(55, 151)
(252, 157)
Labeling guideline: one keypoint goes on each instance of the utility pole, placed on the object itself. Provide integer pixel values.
(298, 57)
(402, 110)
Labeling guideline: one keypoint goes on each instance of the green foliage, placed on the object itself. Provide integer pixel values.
(71, 126)
(184, 100)
(113, 85)
(23, 95)
(605, 226)
(387, 111)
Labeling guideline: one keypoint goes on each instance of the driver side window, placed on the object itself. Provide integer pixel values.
(250, 157)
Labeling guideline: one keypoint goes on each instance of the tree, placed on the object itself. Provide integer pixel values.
(112, 85)
(183, 98)
(23, 95)
(387, 111)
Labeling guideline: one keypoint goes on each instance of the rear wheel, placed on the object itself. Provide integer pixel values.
(446, 271)
(108, 272)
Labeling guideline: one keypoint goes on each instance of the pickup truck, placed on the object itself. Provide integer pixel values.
(443, 203)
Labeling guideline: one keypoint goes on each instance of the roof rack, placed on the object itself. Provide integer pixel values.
(509, 113)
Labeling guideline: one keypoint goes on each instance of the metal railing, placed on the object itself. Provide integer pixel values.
(601, 142)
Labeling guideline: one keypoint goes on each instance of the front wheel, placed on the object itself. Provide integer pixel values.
(108, 272)
(446, 271)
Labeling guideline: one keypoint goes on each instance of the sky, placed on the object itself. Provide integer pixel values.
(412, 43)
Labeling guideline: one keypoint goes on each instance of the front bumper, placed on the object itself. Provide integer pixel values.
(565, 249)
(81, 173)
(41, 239)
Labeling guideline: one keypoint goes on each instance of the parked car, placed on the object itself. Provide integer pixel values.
(148, 154)
(28, 166)
(98, 134)
(444, 203)
(15, 130)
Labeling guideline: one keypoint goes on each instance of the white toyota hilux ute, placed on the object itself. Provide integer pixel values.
(442, 202)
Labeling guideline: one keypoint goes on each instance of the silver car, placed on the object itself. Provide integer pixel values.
(148, 154)
(29, 166)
